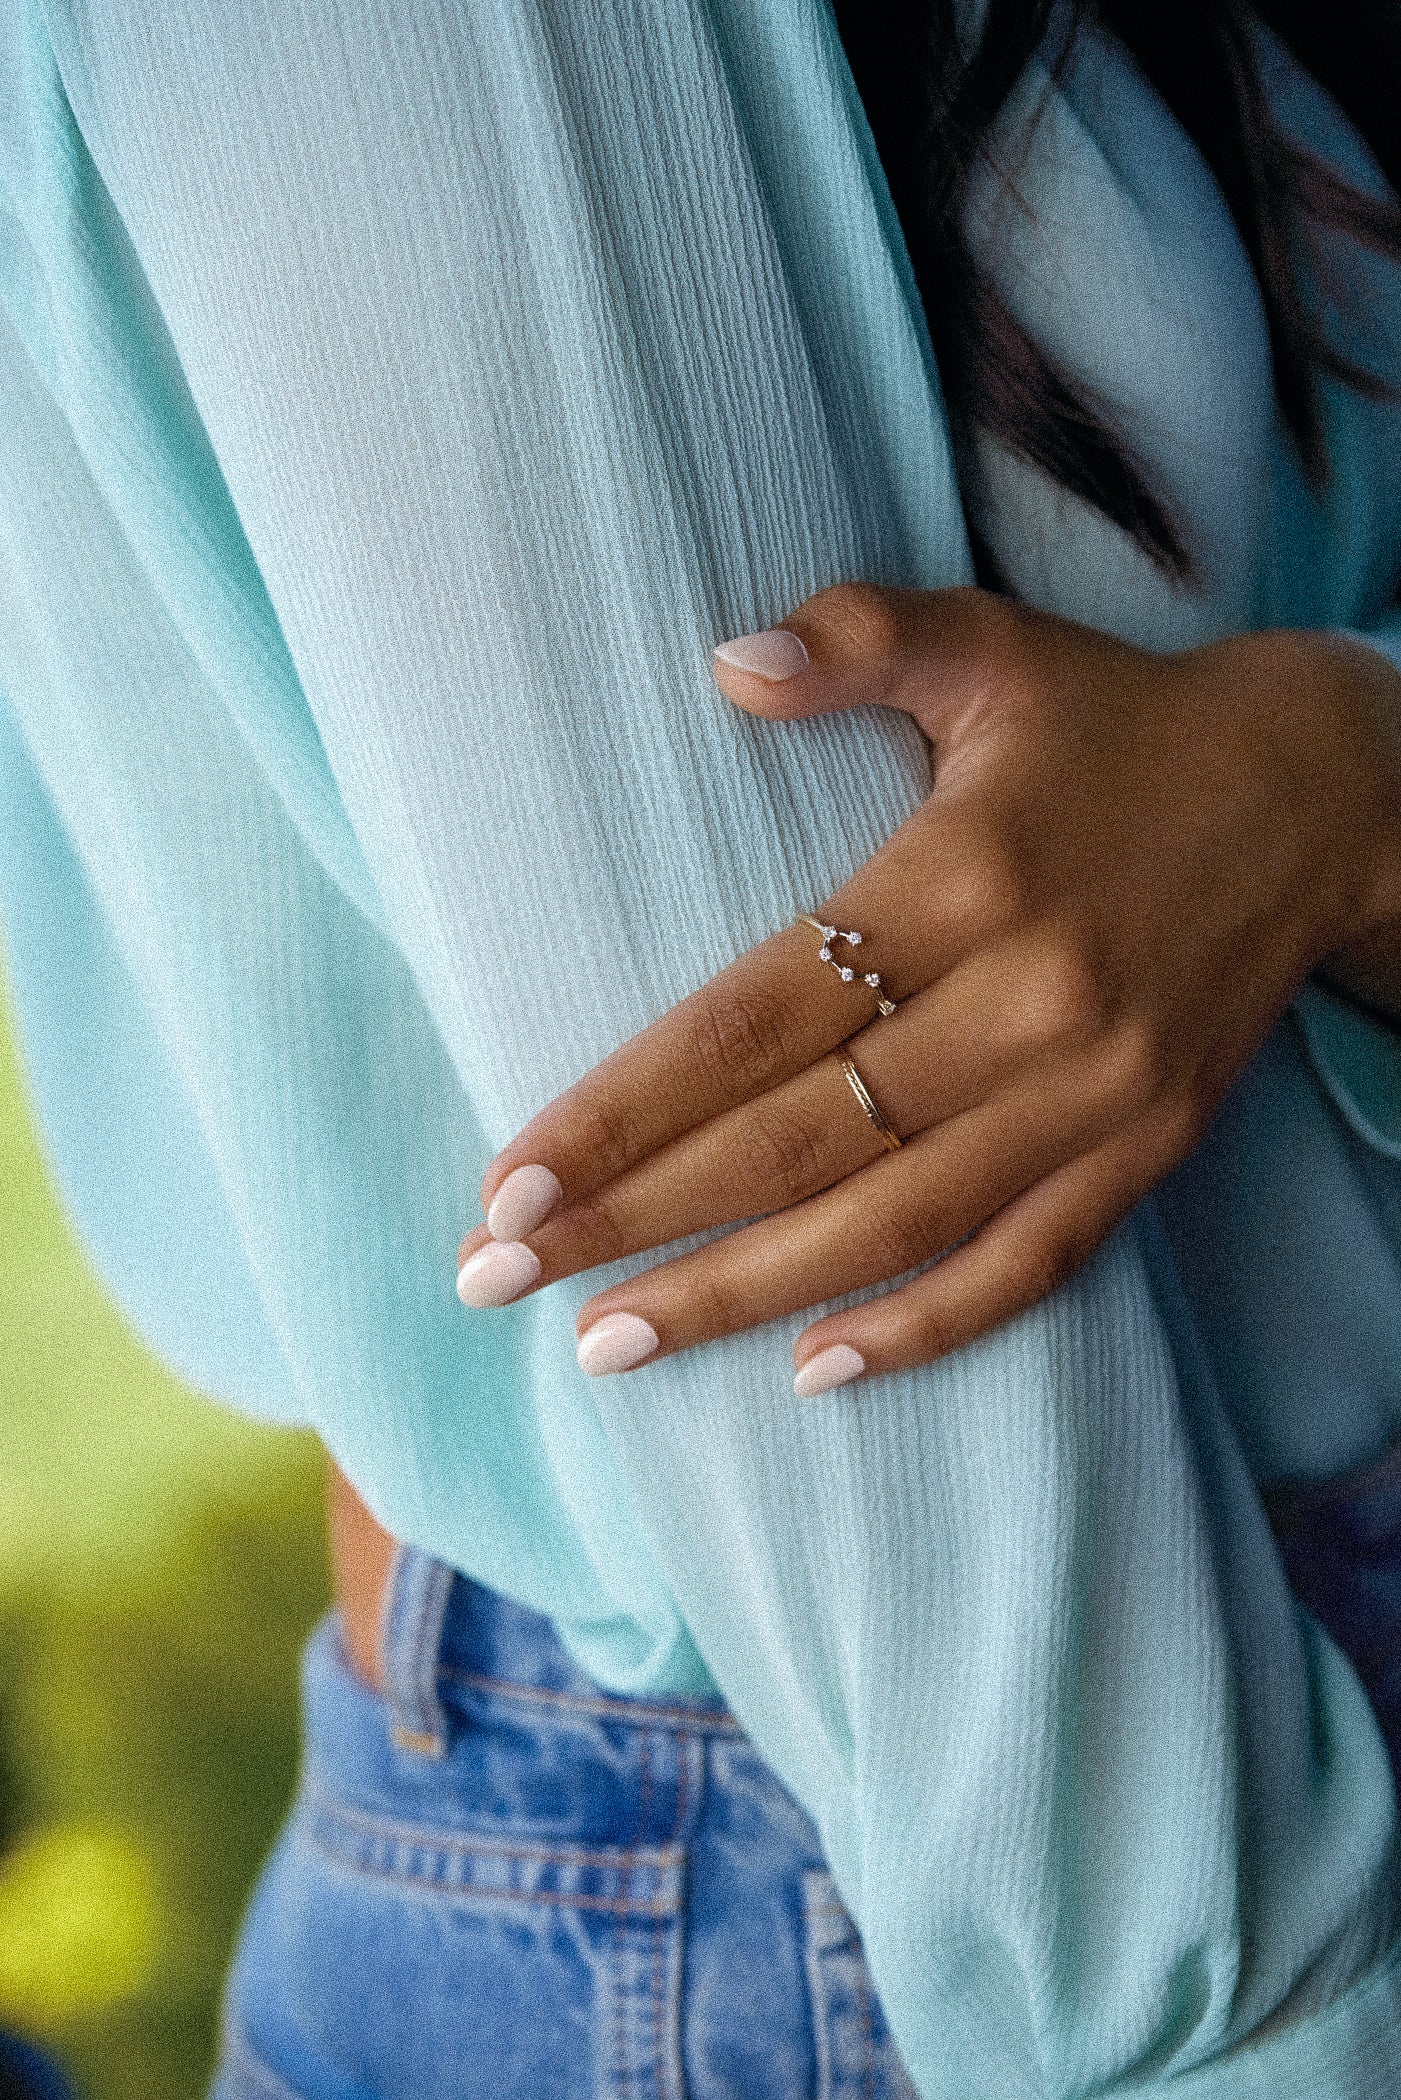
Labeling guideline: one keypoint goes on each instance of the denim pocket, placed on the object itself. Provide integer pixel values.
(856, 2057)
(426, 1963)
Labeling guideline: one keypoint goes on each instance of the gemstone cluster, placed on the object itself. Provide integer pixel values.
(844, 970)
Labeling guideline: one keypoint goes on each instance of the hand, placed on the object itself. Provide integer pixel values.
(1126, 868)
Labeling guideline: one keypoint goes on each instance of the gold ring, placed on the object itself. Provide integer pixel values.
(848, 972)
(889, 1138)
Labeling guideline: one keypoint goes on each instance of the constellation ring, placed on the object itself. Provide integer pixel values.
(845, 971)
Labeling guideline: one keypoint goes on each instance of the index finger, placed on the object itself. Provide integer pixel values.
(773, 1012)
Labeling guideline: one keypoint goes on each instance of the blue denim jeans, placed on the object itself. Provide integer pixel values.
(501, 1881)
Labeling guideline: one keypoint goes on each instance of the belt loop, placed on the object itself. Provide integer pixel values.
(415, 1605)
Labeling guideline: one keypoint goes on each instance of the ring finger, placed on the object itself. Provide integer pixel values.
(899, 1213)
(949, 1046)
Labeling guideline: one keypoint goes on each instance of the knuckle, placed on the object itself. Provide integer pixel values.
(858, 621)
(740, 1039)
(1062, 994)
(596, 1226)
(905, 1240)
(1009, 668)
(1003, 886)
(607, 1136)
(987, 889)
(992, 622)
(781, 1156)
(1135, 1058)
(939, 1332)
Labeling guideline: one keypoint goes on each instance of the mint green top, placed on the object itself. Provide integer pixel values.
(396, 406)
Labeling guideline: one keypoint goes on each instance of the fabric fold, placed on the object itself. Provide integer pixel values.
(538, 348)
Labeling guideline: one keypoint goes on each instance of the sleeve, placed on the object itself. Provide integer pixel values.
(537, 351)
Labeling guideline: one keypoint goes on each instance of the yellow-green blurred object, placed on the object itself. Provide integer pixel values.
(160, 1565)
(80, 1923)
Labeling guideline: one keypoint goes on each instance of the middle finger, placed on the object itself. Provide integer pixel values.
(900, 1213)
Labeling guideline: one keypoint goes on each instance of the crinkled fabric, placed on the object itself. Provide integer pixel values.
(397, 409)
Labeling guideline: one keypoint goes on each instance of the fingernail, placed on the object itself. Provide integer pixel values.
(496, 1274)
(615, 1343)
(524, 1200)
(775, 654)
(834, 1366)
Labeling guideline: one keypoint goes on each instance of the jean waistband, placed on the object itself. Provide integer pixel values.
(444, 1635)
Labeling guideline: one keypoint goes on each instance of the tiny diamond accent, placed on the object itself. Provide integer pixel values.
(831, 935)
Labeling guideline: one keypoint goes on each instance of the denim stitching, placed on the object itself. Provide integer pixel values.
(818, 2015)
(618, 1906)
(432, 1615)
(683, 1791)
(414, 1610)
(663, 1858)
(629, 2063)
(421, 1640)
(666, 2056)
(649, 1750)
(692, 1721)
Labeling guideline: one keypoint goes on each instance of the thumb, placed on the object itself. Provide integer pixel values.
(853, 645)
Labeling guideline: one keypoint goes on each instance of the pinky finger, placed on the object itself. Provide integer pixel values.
(1021, 1255)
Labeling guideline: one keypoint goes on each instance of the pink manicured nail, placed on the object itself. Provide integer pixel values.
(524, 1200)
(615, 1343)
(834, 1366)
(496, 1274)
(774, 654)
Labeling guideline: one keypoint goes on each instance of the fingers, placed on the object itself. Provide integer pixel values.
(918, 904)
(789, 1144)
(898, 1214)
(771, 1014)
(793, 1142)
(989, 1022)
(939, 884)
(1035, 1244)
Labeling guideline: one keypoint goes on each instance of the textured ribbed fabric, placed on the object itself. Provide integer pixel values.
(398, 404)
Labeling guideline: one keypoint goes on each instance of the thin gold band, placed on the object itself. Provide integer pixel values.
(853, 1078)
